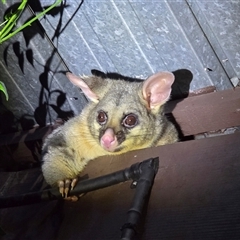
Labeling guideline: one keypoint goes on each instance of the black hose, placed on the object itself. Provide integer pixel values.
(84, 186)
(144, 184)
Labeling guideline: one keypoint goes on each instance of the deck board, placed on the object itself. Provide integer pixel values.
(196, 194)
(208, 112)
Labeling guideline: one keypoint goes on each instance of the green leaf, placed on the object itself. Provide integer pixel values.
(5, 32)
(3, 1)
(3, 89)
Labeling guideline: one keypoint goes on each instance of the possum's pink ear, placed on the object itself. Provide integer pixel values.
(157, 88)
(77, 81)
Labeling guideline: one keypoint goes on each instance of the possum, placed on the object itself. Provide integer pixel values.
(121, 116)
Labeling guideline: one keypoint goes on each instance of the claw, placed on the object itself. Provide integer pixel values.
(61, 187)
(67, 185)
(73, 183)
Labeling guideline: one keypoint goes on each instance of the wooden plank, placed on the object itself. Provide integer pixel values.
(196, 194)
(208, 112)
(198, 114)
(202, 91)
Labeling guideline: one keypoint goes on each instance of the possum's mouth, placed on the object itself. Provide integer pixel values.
(116, 150)
(112, 149)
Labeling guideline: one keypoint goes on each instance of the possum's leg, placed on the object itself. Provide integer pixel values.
(59, 170)
(61, 162)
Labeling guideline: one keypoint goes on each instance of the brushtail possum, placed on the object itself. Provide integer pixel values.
(121, 116)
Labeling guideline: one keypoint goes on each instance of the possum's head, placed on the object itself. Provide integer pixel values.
(124, 115)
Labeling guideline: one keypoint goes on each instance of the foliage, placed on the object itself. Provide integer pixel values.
(10, 22)
(3, 89)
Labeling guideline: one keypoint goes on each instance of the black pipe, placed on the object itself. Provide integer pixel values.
(84, 186)
(143, 189)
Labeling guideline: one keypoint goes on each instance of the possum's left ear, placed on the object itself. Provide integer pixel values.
(79, 82)
(157, 89)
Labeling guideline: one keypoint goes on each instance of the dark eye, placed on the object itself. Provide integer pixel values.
(102, 117)
(130, 121)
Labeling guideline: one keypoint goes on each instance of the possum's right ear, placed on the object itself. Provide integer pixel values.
(78, 81)
(157, 88)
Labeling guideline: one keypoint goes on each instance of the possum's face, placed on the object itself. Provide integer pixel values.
(114, 133)
(120, 127)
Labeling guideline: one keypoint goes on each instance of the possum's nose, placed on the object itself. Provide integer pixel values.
(109, 140)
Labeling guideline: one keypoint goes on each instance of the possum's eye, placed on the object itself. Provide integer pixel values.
(130, 121)
(102, 117)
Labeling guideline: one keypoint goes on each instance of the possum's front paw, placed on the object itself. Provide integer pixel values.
(67, 185)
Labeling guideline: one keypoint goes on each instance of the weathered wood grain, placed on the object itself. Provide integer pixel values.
(208, 112)
(196, 194)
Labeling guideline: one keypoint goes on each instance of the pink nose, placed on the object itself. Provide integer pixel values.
(109, 140)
